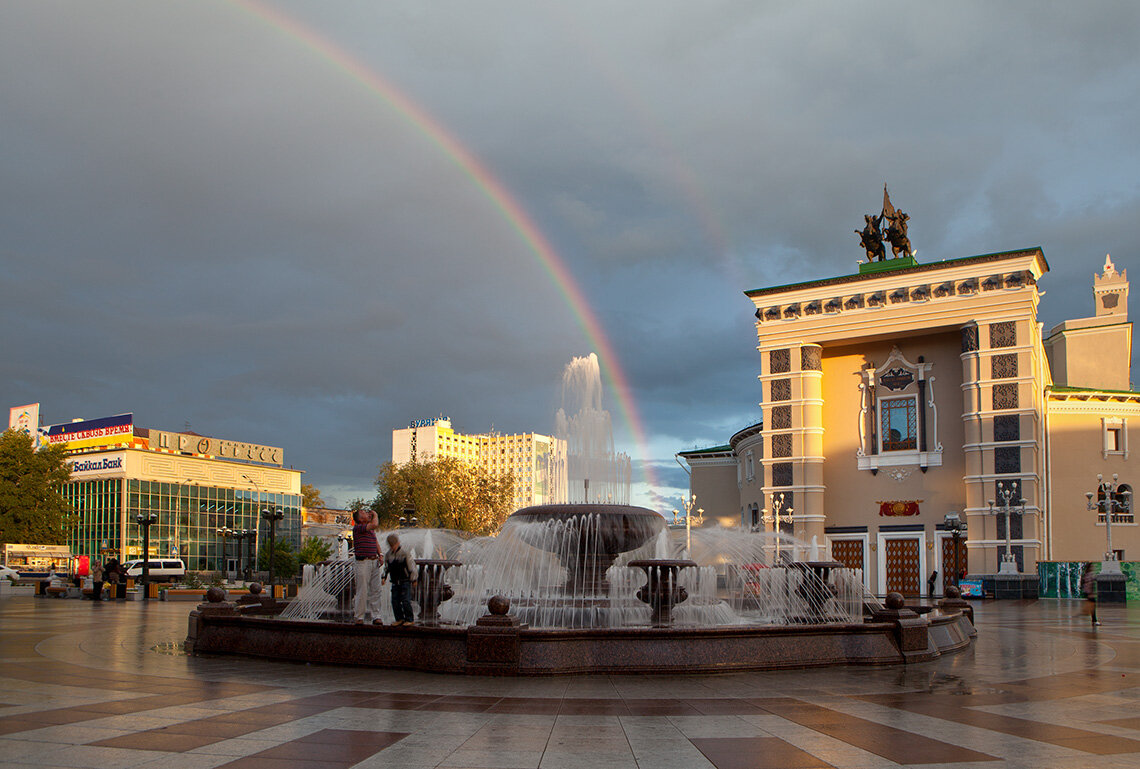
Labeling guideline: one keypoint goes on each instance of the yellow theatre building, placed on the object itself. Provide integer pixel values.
(208, 495)
(894, 396)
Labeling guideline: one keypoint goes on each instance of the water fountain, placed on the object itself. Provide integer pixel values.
(595, 470)
(576, 588)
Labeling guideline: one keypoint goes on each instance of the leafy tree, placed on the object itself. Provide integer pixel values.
(445, 493)
(311, 496)
(284, 559)
(31, 508)
(314, 551)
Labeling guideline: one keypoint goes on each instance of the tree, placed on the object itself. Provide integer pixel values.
(311, 496)
(314, 551)
(446, 493)
(284, 559)
(32, 510)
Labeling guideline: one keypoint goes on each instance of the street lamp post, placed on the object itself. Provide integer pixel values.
(1009, 501)
(145, 521)
(226, 533)
(687, 503)
(775, 518)
(1110, 501)
(957, 528)
(273, 515)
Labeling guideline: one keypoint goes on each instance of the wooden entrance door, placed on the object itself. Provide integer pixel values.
(848, 552)
(948, 559)
(902, 560)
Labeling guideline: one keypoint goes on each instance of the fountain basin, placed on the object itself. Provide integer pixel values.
(520, 651)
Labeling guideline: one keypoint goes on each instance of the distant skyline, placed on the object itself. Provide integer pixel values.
(304, 225)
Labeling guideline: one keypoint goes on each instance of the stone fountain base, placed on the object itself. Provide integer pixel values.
(499, 645)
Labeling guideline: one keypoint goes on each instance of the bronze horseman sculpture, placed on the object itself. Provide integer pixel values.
(871, 236)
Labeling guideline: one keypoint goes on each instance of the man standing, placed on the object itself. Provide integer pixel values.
(401, 567)
(96, 580)
(367, 552)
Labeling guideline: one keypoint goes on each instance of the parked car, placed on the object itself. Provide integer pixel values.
(7, 572)
(165, 570)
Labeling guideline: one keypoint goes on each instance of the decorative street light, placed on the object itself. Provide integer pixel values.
(1109, 501)
(1010, 501)
(273, 515)
(687, 503)
(957, 528)
(774, 517)
(145, 521)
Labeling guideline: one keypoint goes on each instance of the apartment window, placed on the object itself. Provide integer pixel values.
(749, 465)
(1115, 437)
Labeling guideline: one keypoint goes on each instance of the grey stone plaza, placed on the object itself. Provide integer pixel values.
(106, 685)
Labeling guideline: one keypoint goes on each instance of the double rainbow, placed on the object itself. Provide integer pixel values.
(491, 189)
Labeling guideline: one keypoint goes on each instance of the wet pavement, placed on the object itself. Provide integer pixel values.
(106, 685)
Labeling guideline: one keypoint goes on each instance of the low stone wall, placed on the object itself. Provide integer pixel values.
(499, 646)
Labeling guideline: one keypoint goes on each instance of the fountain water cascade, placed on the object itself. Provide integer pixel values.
(595, 471)
(588, 588)
(582, 566)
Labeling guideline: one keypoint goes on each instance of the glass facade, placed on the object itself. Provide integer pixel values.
(189, 519)
(98, 508)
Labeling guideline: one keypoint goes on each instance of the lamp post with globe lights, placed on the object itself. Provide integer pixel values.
(1009, 501)
(688, 503)
(145, 521)
(1108, 500)
(776, 517)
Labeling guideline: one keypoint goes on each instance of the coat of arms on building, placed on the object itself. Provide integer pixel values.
(899, 507)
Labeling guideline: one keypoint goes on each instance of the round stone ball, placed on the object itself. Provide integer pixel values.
(215, 595)
(895, 601)
(499, 605)
(255, 588)
(952, 592)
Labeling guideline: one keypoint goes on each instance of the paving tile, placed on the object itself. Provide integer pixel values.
(756, 753)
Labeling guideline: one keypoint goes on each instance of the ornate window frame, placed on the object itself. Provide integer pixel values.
(1114, 437)
(895, 378)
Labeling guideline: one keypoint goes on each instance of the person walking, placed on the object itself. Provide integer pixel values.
(96, 580)
(367, 552)
(401, 567)
(1088, 590)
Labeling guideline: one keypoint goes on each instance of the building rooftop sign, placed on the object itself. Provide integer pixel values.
(93, 433)
(184, 443)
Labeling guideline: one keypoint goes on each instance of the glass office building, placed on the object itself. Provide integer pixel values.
(208, 497)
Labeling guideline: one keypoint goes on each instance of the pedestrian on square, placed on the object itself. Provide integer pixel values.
(1088, 590)
(96, 580)
(401, 567)
(366, 550)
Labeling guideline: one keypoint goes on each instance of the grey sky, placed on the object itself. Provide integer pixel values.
(205, 219)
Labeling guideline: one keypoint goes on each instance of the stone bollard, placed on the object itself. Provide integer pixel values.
(912, 632)
(493, 641)
(955, 602)
(216, 606)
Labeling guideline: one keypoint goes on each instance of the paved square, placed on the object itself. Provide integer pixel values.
(105, 685)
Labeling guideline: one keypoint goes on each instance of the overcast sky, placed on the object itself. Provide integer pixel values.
(206, 218)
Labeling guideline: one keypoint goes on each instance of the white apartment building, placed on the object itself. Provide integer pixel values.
(538, 462)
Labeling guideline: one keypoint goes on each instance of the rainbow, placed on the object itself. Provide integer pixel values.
(492, 189)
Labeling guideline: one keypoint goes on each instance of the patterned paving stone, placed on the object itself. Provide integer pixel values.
(101, 687)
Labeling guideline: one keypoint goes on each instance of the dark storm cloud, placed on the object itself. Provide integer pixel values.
(203, 219)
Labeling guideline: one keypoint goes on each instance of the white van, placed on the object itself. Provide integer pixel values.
(166, 570)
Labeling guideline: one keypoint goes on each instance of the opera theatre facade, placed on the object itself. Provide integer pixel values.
(904, 393)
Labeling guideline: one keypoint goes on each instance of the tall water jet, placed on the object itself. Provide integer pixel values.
(595, 471)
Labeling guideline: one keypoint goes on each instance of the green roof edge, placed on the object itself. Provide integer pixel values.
(917, 267)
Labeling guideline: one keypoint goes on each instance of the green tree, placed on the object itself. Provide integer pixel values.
(314, 551)
(445, 493)
(31, 508)
(311, 496)
(285, 563)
